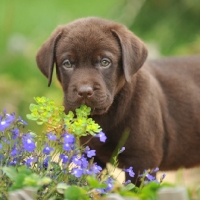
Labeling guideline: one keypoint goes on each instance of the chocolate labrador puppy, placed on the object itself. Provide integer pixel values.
(101, 63)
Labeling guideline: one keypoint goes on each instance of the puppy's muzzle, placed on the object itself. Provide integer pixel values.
(85, 92)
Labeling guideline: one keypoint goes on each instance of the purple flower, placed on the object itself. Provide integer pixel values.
(76, 160)
(6, 140)
(13, 162)
(130, 171)
(90, 153)
(100, 191)
(95, 169)
(22, 121)
(14, 150)
(109, 183)
(127, 182)
(5, 123)
(51, 136)
(87, 171)
(155, 170)
(64, 158)
(67, 147)
(46, 162)
(84, 163)
(121, 150)
(101, 136)
(29, 161)
(0, 146)
(47, 149)
(77, 172)
(28, 143)
(9, 118)
(69, 138)
(15, 133)
(162, 177)
(150, 177)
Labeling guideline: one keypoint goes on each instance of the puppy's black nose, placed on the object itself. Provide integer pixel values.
(85, 91)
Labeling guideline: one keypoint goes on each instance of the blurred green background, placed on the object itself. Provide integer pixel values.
(169, 27)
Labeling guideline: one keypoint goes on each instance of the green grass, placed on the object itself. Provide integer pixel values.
(25, 25)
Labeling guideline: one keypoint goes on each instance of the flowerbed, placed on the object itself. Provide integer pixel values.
(54, 164)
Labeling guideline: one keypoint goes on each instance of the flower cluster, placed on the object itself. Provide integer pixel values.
(56, 154)
(54, 158)
(12, 143)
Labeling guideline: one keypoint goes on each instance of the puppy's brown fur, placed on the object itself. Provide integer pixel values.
(102, 64)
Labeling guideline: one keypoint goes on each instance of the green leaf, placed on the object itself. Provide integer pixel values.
(39, 123)
(10, 172)
(18, 182)
(32, 117)
(23, 169)
(75, 193)
(31, 180)
(22, 177)
(32, 134)
(61, 187)
(32, 107)
(128, 194)
(44, 181)
(150, 190)
(94, 183)
(83, 111)
(70, 115)
(128, 187)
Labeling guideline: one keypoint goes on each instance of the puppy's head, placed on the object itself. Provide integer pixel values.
(94, 58)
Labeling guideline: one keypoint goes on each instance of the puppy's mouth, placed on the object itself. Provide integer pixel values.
(94, 110)
(99, 111)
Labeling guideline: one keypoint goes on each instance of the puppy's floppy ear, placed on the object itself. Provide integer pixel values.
(46, 55)
(134, 51)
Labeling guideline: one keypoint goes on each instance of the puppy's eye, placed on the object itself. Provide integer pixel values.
(105, 62)
(67, 64)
